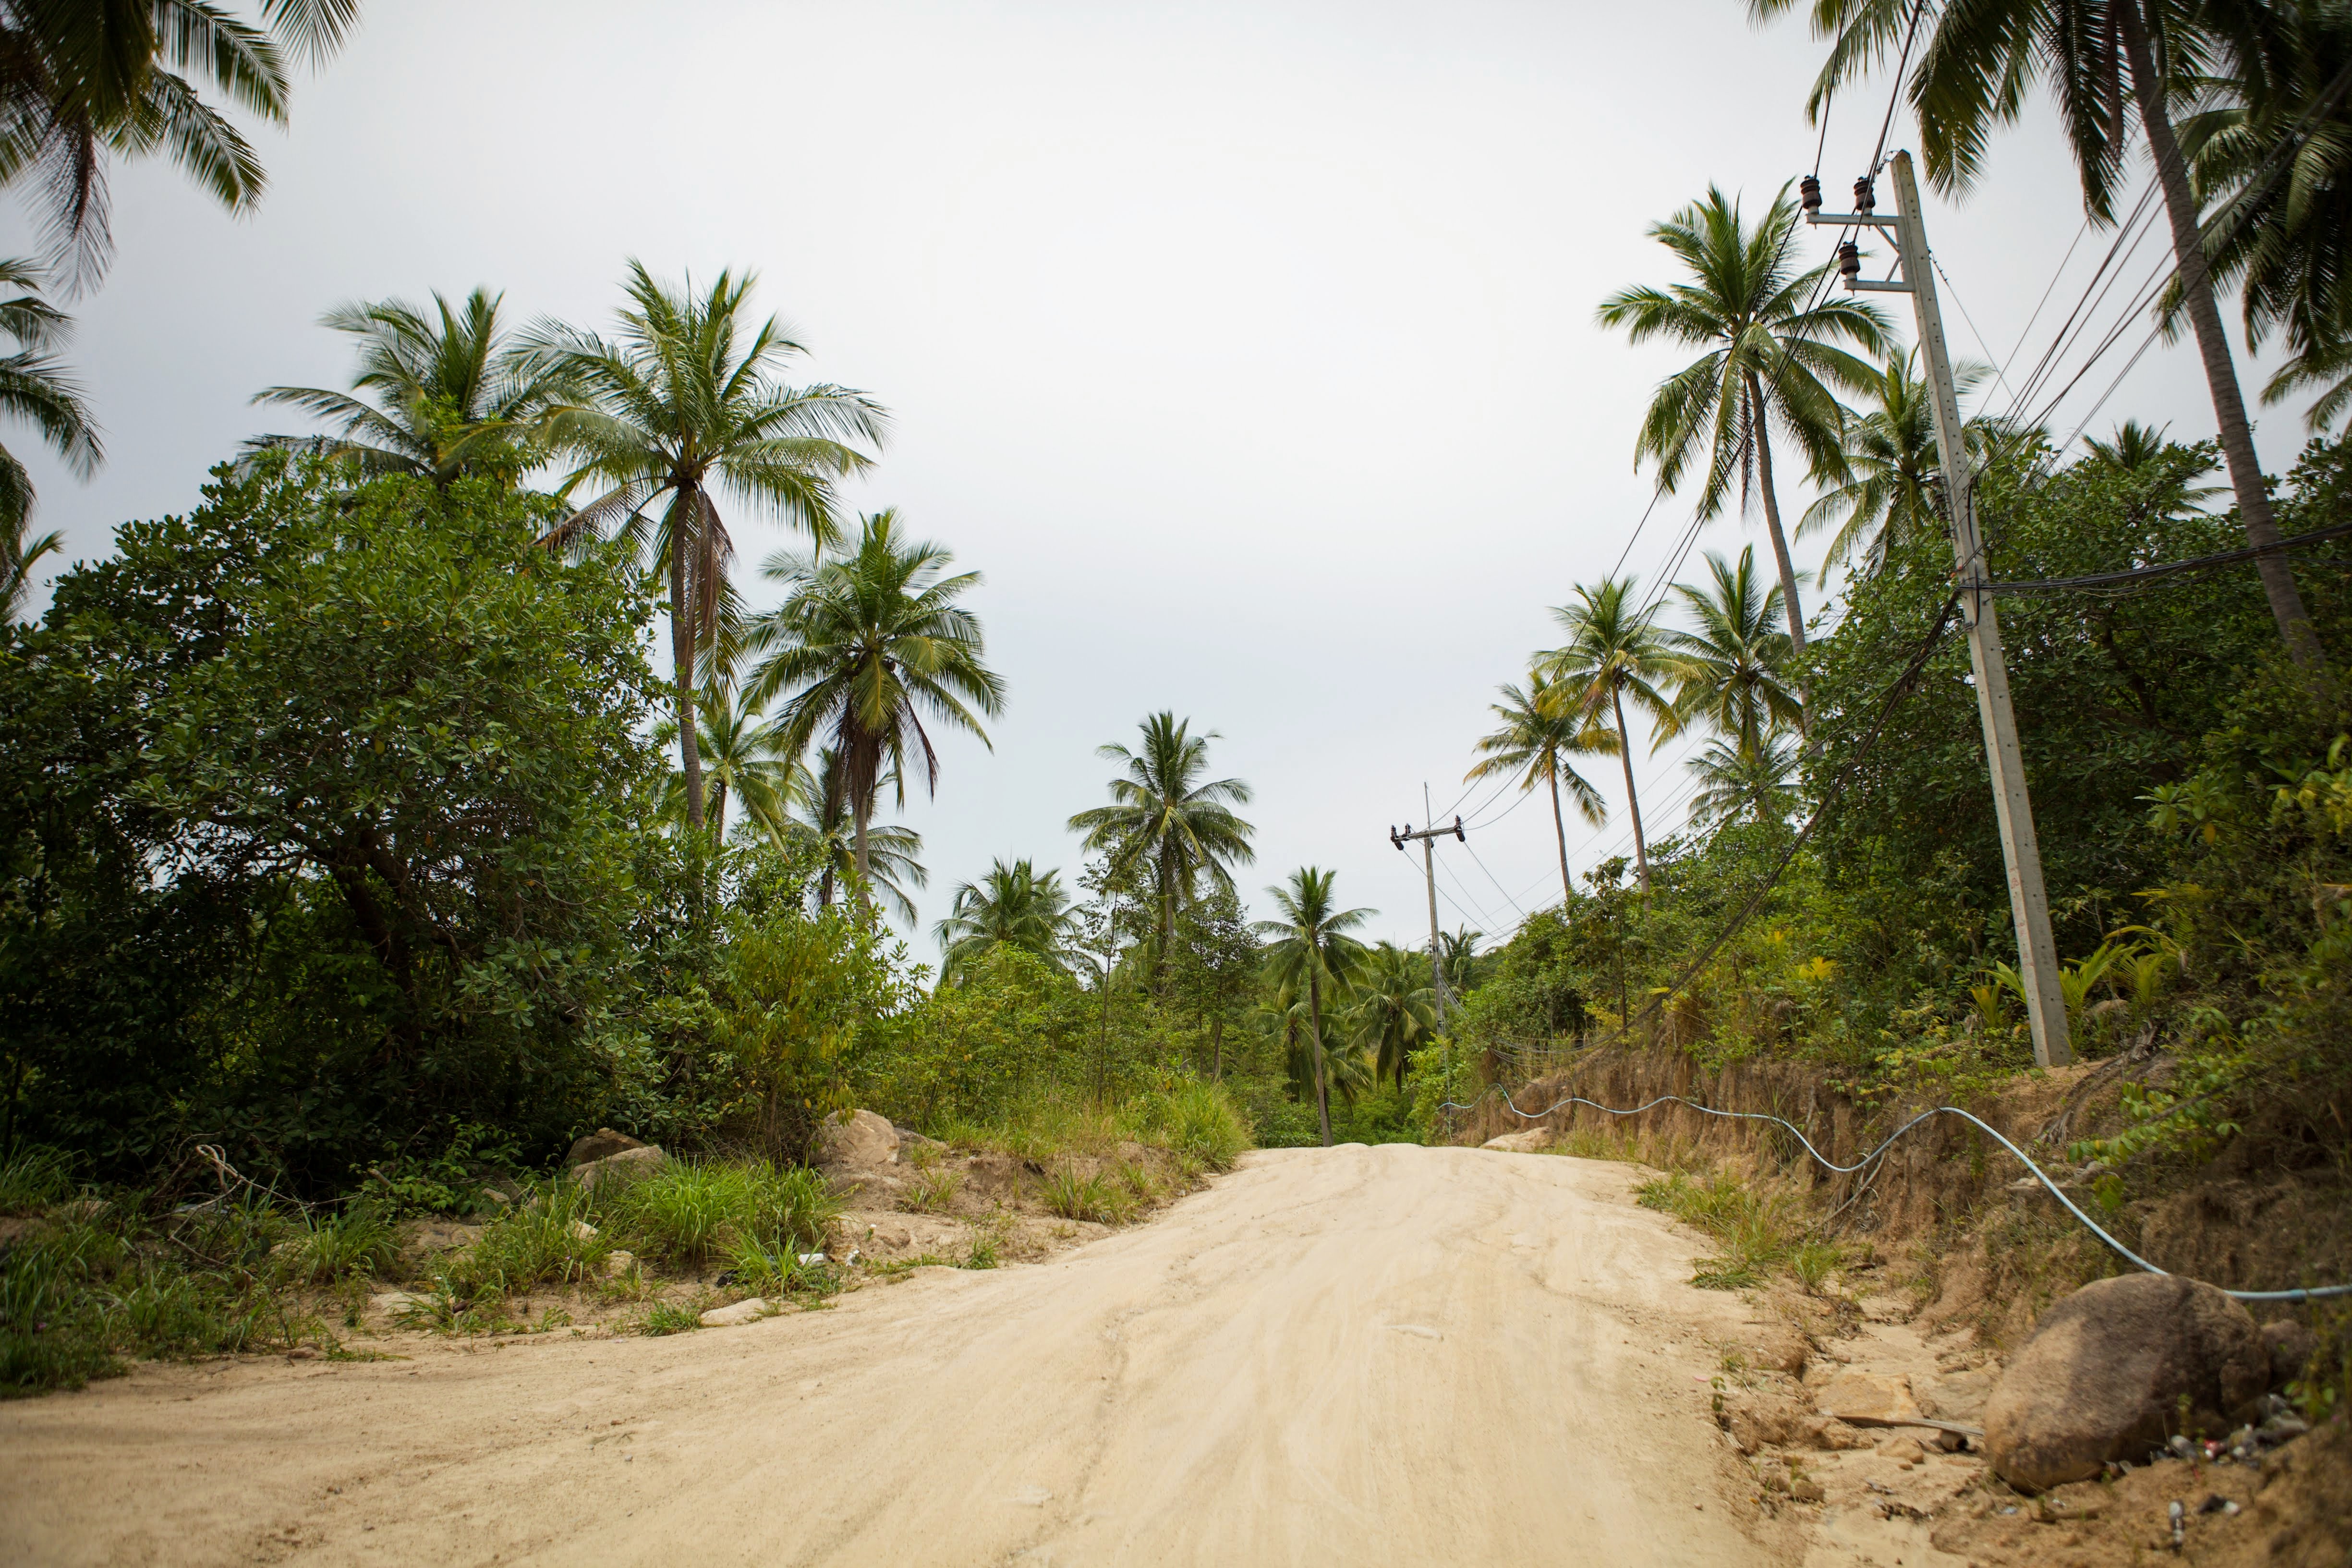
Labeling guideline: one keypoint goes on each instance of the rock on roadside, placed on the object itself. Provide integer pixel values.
(749, 1311)
(601, 1144)
(1534, 1141)
(626, 1166)
(2105, 1371)
(863, 1140)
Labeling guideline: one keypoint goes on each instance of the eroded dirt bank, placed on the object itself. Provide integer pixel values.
(1399, 1355)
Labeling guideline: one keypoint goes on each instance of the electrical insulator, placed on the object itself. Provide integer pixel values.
(1808, 193)
(1457, 830)
(1864, 198)
(1849, 261)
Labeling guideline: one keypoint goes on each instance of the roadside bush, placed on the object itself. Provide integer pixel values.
(1193, 1118)
(333, 1246)
(549, 1236)
(691, 1213)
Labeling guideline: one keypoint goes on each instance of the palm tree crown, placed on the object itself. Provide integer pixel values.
(893, 852)
(1166, 817)
(1615, 653)
(455, 393)
(1395, 1008)
(865, 646)
(1736, 781)
(1537, 734)
(1770, 359)
(35, 390)
(1893, 491)
(743, 756)
(1310, 950)
(684, 405)
(1012, 906)
(1731, 671)
(1975, 67)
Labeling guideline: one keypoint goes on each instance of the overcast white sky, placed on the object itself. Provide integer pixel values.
(1248, 349)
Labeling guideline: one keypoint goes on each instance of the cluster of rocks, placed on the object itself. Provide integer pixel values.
(2132, 1368)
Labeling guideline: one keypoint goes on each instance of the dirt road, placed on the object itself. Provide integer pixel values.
(1390, 1355)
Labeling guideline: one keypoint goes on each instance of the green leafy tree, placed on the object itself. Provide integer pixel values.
(685, 405)
(1308, 950)
(1537, 735)
(1771, 359)
(375, 743)
(862, 648)
(34, 389)
(1732, 671)
(1216, 965)
(1976, 67)
(81, 82)
(1393, 1009)
(456, 394)
(1615, 653)
(1012, 906)
(1165, 821)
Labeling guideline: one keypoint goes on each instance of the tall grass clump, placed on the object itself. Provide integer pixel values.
(548, 1237)
(32, 1178)
(1196, 1119)
(691, 1214)
(1755, 1232)
(360, 1239)
(1097, 1198)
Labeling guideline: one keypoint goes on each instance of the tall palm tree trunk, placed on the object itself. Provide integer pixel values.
(681, 649)
(1632, 800)
(865, 900)
(2213, 346)
(1560, 829)
(1772, 517)
(1315, 1037)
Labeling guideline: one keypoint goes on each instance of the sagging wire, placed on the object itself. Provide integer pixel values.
(2313, 1293)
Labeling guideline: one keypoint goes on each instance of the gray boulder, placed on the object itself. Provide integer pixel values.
(862, 1141)
(628, 1165)
(2292, 1346)
(601, 1144)
(2106, 1371)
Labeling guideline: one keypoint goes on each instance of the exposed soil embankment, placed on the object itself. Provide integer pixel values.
(1946, 1209)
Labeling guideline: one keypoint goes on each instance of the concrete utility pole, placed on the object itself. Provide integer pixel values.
(2029, 904)
(1429, 870)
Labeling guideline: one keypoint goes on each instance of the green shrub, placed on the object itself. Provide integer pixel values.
(667, 1318)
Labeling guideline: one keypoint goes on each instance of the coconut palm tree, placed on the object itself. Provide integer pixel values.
(454, 394)
(1736, 781)
(892, 851)
(1731, 671)
(1461, 949)
(1394, 1009)
(34, 389)
(1975, 67)
(1615, 653)
(862, 648)
(2271, 152)
(1168, 822)
(1012, 906)
(1770, 359)
(742, 755)
(1893, 488)
(80, 83)
(1537, 734)
(686, 405)
(1309, 950)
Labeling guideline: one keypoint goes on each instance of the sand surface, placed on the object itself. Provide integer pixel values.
(1392, 1355)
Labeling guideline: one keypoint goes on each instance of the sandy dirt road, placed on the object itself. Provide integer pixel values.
(1386, 1355)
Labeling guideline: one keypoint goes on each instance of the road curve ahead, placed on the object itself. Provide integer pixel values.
(1391, 1355)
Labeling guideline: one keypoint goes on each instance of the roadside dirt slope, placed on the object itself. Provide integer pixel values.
(1397, 1355)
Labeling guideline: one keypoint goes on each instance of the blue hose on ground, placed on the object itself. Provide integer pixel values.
(2089, 1224)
